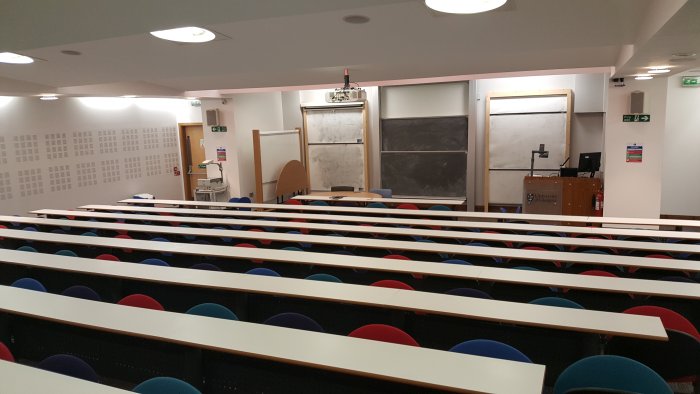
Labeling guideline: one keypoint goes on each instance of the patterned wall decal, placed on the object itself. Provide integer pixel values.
(169, 137)
(83, 143)
(151, 138)
(110, 171)
(132, 167)
(170, 160)
(5, 187)
(130, 140)
(86, 174)
(30, 182)
(153, 165)
(3, 151)
(108, 141)
(56, 146)
(26, 148)
(59, 178)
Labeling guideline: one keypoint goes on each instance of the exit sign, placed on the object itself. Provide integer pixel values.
(690, 82)
(219, 129)
(636, 118)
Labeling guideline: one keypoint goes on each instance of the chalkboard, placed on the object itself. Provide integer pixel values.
(425, 134)
(429, 174)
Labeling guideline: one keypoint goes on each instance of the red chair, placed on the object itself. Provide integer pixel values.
(262, 241)
(384, 333)
(107, 257)
(392, 284)
(598, 273)
(301, 230)
(141, 301)
(530, 247)
(293, 202)
(5, 353)
(124, 236)
(408, 206)
(247, 245)
(402, 257)
(670, 319)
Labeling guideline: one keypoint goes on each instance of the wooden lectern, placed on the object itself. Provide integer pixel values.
(559, 196)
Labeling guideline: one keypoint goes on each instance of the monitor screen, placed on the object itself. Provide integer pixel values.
(589, 162)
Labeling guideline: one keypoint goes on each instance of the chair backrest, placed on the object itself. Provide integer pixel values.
(457, 261)
(165, 385)
(377, 205)
(80, 291)
(396, 257)
(407, 206)
(319, 203)
(392, 284)
(384, 333)
(294, 320)
(556, 301)
(29, 284)
(385, 193)
(293, 202)
(233, 199)
(152, 261)
(324, 278)
(263, 272)
(25, 248)
(610, 373)
(212, 310)
(5, 353)
(342, 188)
(205, 266)
(107, 257)
(439, 208)
(88, 234)
(244, 200)
(469, 292)
(141, 301)
(66, 252)
(598, 273)
(69, 365)
(489, 348)
(670, 319)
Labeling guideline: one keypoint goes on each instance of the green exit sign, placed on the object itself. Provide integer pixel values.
(636, 118)
(219, 129)
(690, 82)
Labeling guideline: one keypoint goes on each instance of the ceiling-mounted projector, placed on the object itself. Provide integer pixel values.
(346, 94)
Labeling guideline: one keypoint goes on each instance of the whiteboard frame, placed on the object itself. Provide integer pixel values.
(258, 153)
(523, 94)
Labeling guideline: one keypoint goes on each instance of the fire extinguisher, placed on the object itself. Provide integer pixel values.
(598, 203)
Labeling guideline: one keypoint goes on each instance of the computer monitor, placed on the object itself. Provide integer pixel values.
(589, 162)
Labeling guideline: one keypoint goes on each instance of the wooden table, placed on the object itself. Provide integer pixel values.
(219, 218)
(408, 232)
(379, 360)
(578, 320)
(444, 214)
(378, 198)
(21, 379)
(345, 195)
(550, 279)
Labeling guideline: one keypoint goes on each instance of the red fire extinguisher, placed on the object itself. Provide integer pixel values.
(598, 203)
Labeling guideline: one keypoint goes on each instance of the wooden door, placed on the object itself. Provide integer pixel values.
(192, 152)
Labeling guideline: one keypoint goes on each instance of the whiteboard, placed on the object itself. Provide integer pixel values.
(336, 165)
(335, 125)
(277, 150)
(512, 138)
(519, 105)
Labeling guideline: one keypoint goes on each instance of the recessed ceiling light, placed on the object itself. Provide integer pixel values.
(185, 34)
(659, 71)
(129, 96)
(643, 77)
(48, 97)
(356, 19)
(464, 6)
(71, 52)
(684, 54)
(13, 58)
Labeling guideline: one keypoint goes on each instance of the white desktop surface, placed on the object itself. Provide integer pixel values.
(22, 379)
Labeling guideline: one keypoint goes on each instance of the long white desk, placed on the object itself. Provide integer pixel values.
(417, 201)
(430, 213)
(471, 236)
(21, 379)
(285, 256)
(203, 213)
(550, 279)
(591, 321)
(273, 221)
(380, 360)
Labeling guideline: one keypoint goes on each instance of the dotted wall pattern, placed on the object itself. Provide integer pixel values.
(83, 143)
(56, 146)
(153, 165)
(86, 174)
(5, 187)
(59, 178)
(110, 171)
(130, 140)
(169, 137)
(107, 139)
(170, 161)
(3, 151)
(30, 182)
(26, 148)
(132, 167)
(151, 138)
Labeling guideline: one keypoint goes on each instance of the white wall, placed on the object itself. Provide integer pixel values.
(634, 189)
(680, 184)
(88, 151)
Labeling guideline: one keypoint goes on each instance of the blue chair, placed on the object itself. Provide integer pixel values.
(161, 239)
(385, 193)
(233, 199)
(26, 248)
(80, 291)
(66, 252)
(165, 385)
(29, 284)
(244, 200)
(293, 248)
(489, 348)
(29, 228)
(65, 364)
(324, 278)
(88, 234)
(610, 373)
(153, 261)
(457, 261)
(556, 301)
(294, 320)
(376, 205)
(469, 292)
(188, 237)
(263, 272)
(319, 203)
(212, 310)
(205, 266)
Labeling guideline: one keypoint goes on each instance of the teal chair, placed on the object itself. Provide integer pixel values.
(210, 309)
(66, 252)
(26, 248)
(165, 385)
(610, 374)
(324, 278)
(439, 208)
(556, 301)
(376, 205)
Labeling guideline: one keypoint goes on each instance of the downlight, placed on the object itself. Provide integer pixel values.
(464, 6)
(13, 58)
(190, 34)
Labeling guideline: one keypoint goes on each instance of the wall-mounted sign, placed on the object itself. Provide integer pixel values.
(644, 118)
(221, 154)
(690, 81)
(634, 153)
(219, 129)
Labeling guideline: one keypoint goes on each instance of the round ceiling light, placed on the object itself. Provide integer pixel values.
(71, 52)
(13, 58)
(356, 19)
(464, 6)
(185, 34)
